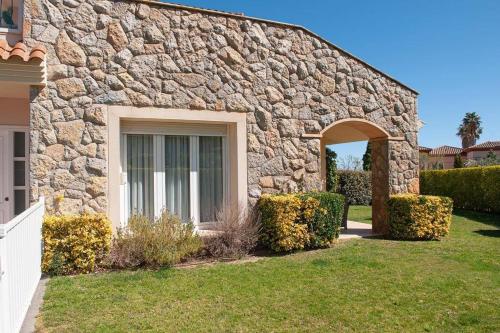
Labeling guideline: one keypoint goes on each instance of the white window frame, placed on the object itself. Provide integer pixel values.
(193, 131)
(19, 28)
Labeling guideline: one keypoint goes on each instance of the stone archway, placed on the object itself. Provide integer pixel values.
(383, 144)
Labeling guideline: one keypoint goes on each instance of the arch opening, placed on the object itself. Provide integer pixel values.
(351, 129)
(354, 130)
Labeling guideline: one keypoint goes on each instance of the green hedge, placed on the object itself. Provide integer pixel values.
(419, 217)
(325, 228)
(356, 186)
(297, 221)
(476, 188)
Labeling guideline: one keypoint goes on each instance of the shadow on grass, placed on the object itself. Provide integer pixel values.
(489, 233)
(486, 218)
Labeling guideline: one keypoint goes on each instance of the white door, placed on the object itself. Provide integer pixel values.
(13, 172)
(4, 179)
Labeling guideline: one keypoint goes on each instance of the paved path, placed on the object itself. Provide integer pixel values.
(356, 230)
(36, 302)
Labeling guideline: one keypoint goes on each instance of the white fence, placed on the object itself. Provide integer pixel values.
(20, 256)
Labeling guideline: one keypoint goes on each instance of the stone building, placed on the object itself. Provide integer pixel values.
(141, 105)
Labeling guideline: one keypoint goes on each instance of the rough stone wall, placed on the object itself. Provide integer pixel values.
(288, 82)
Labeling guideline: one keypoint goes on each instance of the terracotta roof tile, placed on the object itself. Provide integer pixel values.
(21, 51)
(424, 149)
(445, 150)
(495, 145)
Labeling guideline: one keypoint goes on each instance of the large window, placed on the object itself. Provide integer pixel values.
(10, 14)
(179, 171)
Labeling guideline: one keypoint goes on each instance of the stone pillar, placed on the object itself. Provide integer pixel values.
(380, 185)
(403, 167)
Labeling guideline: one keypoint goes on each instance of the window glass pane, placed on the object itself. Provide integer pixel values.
(140, 174)
(177, 171)
(19, 201)
(9, 17)
(211, 177)
(19, 173)
(19, 144)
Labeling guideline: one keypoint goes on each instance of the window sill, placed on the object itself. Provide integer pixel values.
(4, 31)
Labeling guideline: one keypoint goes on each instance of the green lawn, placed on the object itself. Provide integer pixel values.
(365, 285)
(361, 214)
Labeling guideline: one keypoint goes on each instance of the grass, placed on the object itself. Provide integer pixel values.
(366, 285)
(361, 214)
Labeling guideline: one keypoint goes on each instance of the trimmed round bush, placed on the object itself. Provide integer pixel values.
(74, 243)
(324, 228)
(297, 221)
(419, 217)
(282, 229)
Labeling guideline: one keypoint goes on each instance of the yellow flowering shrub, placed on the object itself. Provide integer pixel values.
(74, 243)
(415, 217)
(282, 230)
(301, 220)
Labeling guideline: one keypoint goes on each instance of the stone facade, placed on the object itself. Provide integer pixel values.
(288, 81)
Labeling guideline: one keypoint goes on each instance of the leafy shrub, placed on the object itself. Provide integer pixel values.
(325, 228)
(163, 241)
(297, 221)
(470, 188)
(235, 234)
(74, 243)
(282, 226)
(415, 217)
(356, 186)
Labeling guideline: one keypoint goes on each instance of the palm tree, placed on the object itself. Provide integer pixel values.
(470, 129)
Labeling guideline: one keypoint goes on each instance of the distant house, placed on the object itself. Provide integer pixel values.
(480, 151)
(424, 157)
(438, 158)
(443, 157)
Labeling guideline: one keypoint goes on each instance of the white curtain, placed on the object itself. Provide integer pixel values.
(211, 177)
(140, 174)
(177, 175)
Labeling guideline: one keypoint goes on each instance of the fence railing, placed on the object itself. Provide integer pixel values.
(20, 256)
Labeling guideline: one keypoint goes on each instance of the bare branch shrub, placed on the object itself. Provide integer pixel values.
(236, 233)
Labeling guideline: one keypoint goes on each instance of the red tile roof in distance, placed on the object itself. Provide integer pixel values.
(21, 51)
(424, 149)
(445, 150)
(488, 145)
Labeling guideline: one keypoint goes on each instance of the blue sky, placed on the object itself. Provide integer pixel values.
(448, 50)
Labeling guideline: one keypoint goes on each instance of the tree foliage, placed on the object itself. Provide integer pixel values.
(367, 157)
(470, 129)
(331, 170)
(458, 162)
(490, 159)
